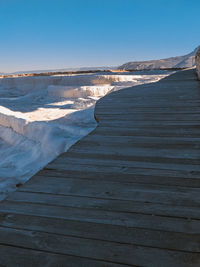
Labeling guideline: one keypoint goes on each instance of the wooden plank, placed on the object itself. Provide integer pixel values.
(148, 110)
(135, 118)
(114, 185)
(169, 131)
(140, 176)
(115, 157)
(186, 157)
(114, 233)
(182, 152)
(15, 256)
(114, 190)
(148, 221)
(107, 204)
(112, 165)
(123, 171)
(97, 249)
(141, 141)
(131, 124)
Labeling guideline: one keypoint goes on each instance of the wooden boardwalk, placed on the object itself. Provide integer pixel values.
(128, 194)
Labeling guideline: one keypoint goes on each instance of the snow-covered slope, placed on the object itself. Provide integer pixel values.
(186, 61)
(41, 117)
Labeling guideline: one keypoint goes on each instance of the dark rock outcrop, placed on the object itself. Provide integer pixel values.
(197, 59)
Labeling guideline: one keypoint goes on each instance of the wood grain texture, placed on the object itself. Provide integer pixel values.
(128, 194)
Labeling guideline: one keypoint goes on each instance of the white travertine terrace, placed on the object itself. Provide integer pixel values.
(41, 117)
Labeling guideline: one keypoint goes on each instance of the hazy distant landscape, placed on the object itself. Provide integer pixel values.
(179, 62)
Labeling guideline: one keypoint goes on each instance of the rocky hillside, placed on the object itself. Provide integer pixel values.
(198, 63)
(186, 61)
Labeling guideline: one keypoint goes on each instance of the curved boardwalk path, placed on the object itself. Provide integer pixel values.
(128, 194)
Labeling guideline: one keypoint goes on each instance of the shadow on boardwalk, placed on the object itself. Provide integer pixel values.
(127, 194)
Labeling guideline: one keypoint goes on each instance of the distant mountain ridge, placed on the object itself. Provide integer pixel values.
(179, 62)
(61, 70)
(186, 61)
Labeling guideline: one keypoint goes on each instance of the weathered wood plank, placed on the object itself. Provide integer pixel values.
(141, 176)
(147, 123)
(153, 151)
(115, 233)
(114, 190)
(169, 131)
(107, 204)
(127, 154)
(134, 118)
(139, 141)
(113, 165)
(148, 221)
(18, 256)
(97, 249)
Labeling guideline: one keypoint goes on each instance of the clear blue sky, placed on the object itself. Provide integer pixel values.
(47, 34)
